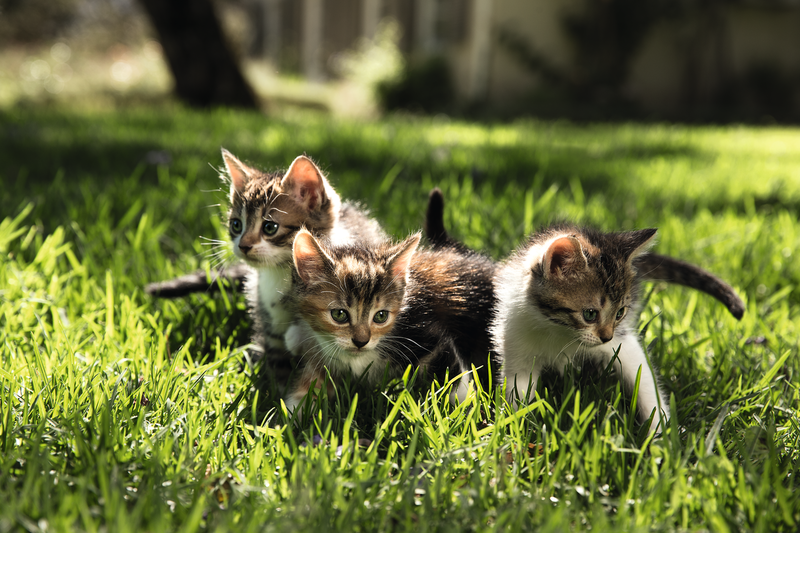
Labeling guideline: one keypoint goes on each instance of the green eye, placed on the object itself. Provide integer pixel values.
(620, 313)
(381, 317)
(589, 315)
(340, 315)
(236, 226)
(269, 228)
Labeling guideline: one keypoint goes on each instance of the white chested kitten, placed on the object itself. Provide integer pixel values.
(548, 288)
(571, 294)
(365, 307)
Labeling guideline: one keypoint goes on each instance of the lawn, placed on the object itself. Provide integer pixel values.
(119, 412)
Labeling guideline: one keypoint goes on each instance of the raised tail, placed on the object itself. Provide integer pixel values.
(434, 231)
(434, 219)
(199, 281)
(657, 267)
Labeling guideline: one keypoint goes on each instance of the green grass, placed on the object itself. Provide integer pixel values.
(123, 413)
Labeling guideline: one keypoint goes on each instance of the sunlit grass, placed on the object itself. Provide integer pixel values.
(123, 413)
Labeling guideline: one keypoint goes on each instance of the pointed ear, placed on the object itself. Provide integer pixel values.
(238, 173)
(305, 183)
(401, 259)
(638, 242)
(565, 255)
(310, 259)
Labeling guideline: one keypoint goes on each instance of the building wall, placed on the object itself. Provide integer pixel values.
(539, 21)
(680, 63)
(676, 54)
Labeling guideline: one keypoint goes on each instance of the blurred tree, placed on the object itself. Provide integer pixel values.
(203, 66)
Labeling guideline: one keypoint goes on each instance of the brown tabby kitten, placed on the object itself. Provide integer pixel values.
(266, 212)
(363, 307)
(571, 294)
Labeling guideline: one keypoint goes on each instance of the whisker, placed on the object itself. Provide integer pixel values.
(567, 346)
(398, 337)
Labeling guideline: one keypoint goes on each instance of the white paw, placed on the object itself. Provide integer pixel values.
(292, 401)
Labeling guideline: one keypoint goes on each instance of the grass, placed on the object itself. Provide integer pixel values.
(123, 413)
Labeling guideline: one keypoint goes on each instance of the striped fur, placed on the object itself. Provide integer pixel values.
(539, 319)
(404, 306)
(571, 294)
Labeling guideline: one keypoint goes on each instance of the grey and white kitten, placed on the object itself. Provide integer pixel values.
(365, 307)
(565, 275)
(571, 294)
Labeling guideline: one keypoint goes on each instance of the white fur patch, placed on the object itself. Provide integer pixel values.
(359, 362)
(528, 342)
(267, 286)
(297, 339)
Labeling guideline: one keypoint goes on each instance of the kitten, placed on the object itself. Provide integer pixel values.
(266, 212)
(568, 294)
(363, 307)
(572, 293)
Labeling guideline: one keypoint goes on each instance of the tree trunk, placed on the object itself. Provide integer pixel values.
(205, 71)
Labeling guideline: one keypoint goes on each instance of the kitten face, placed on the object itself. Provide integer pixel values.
(568, 294)
(268, 209)
(582, 305)
(350, 296)
(587, 285)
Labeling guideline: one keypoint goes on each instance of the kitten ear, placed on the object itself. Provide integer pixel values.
(565, 255)
(637, 242)
(310, 259)
(400, 261)
(238, 173)
(306, 183)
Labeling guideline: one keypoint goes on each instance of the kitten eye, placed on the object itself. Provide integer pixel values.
(381, 317)
(340, 315)
(620, 313)
(269, 227)
(236, 226)
(589, 315)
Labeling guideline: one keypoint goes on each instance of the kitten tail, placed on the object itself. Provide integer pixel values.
(657, 267)
(199, 281)
(434, 228)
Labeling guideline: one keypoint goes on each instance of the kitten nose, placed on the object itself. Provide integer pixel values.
(358, 343)
(605, 333)
(245, 248)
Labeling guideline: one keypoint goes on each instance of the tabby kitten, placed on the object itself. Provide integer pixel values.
(571, 294)
(266, 212)
(362, 307)
(565, 275)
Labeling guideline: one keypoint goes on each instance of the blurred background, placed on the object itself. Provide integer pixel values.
(688, 60)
